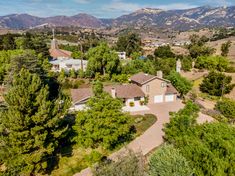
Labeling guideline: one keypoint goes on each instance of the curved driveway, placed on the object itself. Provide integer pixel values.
(152, 137)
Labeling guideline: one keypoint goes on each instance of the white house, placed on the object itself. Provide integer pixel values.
(62, 60)
(130, 94)
(122, 55)
(68, 64)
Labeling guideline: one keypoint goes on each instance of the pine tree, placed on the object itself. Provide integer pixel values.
(31, 126)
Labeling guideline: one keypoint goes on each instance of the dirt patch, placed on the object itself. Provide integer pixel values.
(194, 74)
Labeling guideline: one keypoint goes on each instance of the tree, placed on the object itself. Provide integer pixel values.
(103, 60)
(130, 164)
(97, 88)
(227, 108)
(167, 161)
(164, 52)
(217, 84)
(165, 65)
(181, 122)
(218, 63)
(186, 63)
(8, 42)
(77, 55)
(198, 48)
(32, 126)
(103, 123)
(5, 60)
(225, 48)
(129, 43)
(182, 85)
(27, 60)
(210, 147)
(73, 73)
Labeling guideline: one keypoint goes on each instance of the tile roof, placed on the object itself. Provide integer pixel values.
(122, 91)
(80, 94)
(55, 53)
(171, 89)
(126, 91)
(141, 77)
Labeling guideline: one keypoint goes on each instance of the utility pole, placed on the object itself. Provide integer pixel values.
(222, 93)
(81, 49)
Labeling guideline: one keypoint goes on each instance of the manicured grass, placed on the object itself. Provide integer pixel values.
(143, 122)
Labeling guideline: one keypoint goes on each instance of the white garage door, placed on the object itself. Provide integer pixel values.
(158, 99)
(169, 98)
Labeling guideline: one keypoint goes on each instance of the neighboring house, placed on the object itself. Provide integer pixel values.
(62, 60)
(57, 53)
(156, 88)
(127, 93)
(122, 55)
(68, 64)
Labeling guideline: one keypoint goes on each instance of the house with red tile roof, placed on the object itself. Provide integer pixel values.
(142, 86)
(62, 60)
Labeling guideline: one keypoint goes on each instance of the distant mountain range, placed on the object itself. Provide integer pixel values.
(176, 19)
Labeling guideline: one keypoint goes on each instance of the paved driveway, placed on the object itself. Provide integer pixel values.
(151, 138)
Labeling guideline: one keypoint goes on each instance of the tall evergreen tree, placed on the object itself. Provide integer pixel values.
(31, 127)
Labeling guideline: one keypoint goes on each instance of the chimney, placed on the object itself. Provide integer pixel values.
(113, 92)
(159, 74)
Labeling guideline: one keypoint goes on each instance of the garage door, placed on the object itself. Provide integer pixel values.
(158, 99)
(169, 98)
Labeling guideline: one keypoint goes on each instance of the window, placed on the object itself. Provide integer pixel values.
(163, 84)
(137, 99)
(147, 88)
(69, 65)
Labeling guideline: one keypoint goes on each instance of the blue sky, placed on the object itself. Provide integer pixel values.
(98, 8)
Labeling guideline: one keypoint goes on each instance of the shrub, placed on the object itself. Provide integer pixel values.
(146, 100)
(227, 108)
(93, 157)
(216, 84)
(142, 102)
(122, 78)
(131, 104)
(130, 164)
(167, 161)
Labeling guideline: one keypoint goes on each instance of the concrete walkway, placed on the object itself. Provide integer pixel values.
(135, 108)
(151, 138)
